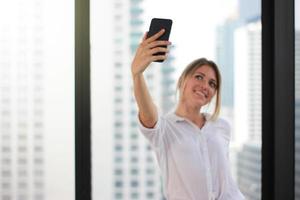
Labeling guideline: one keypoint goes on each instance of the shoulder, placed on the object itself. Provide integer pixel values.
(222, 127)
(222, 124)
(219, 122)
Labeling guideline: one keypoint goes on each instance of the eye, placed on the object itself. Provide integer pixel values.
(213, 85)
(199, 77)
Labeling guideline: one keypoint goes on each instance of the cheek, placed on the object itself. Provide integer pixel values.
(212, 94)
(185, 94)
(185, 89)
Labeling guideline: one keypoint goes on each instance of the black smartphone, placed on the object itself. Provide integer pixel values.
(155, 26)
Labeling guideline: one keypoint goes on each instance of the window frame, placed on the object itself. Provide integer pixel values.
(278, 100)
(83, 181)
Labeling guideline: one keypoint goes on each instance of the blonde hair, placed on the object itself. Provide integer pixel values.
(189, 71)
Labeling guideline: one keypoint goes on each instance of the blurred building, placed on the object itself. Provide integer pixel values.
(249, 170)
(247, 12)
(297, 148)
(225, 59)
(297, 64)
(248, 107)
(167, 83)
(297, 114)
(22, 102)
(135, 170)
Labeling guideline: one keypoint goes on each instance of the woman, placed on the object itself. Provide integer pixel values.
(191, 147)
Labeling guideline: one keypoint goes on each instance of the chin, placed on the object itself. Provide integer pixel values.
(200, 103)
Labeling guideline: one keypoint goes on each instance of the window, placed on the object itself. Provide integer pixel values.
(37, 100)
(232, 40)
(249, 147)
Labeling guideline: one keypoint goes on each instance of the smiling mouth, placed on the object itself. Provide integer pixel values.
(200, 94)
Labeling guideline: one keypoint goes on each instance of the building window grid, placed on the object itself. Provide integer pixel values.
(134, 195)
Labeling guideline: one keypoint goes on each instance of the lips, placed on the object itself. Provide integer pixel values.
(200, 93)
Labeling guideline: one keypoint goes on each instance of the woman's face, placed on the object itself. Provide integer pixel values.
(201, 86)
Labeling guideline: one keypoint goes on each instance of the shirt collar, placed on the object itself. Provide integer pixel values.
(176, 118)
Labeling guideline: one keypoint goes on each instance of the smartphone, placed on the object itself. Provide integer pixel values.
(155, 26)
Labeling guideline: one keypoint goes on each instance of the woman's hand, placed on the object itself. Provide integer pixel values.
(144, 54)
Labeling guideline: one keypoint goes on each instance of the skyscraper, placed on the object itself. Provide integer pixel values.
(297, 147)
(297, 63)
(167, 83)
(297, 114)
(248, 12)
(135, 171)
(21, 102)
(249, 170)
(248, 107)
(225, 58)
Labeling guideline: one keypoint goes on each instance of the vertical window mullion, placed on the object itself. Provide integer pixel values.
(278, 100)
(82, 101)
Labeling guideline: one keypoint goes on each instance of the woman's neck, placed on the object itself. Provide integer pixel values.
(191, 113)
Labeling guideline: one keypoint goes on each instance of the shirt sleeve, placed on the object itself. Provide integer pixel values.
(233, 189)
(234, 193)
(154, 135)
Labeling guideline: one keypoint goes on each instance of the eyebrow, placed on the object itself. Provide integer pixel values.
(205, 75)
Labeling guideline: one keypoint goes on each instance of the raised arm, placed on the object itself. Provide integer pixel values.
(143, 57)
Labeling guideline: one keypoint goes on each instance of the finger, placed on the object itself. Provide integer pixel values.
(156, 36)
(144, 37)
(158, 50)
(160, 57)
(158, 43)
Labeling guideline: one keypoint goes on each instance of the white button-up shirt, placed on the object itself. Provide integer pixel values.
(194, 162)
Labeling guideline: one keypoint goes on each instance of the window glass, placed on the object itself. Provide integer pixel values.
(36, 100)
(228, 32)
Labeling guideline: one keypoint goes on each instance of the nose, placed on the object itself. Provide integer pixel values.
(205, 85)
